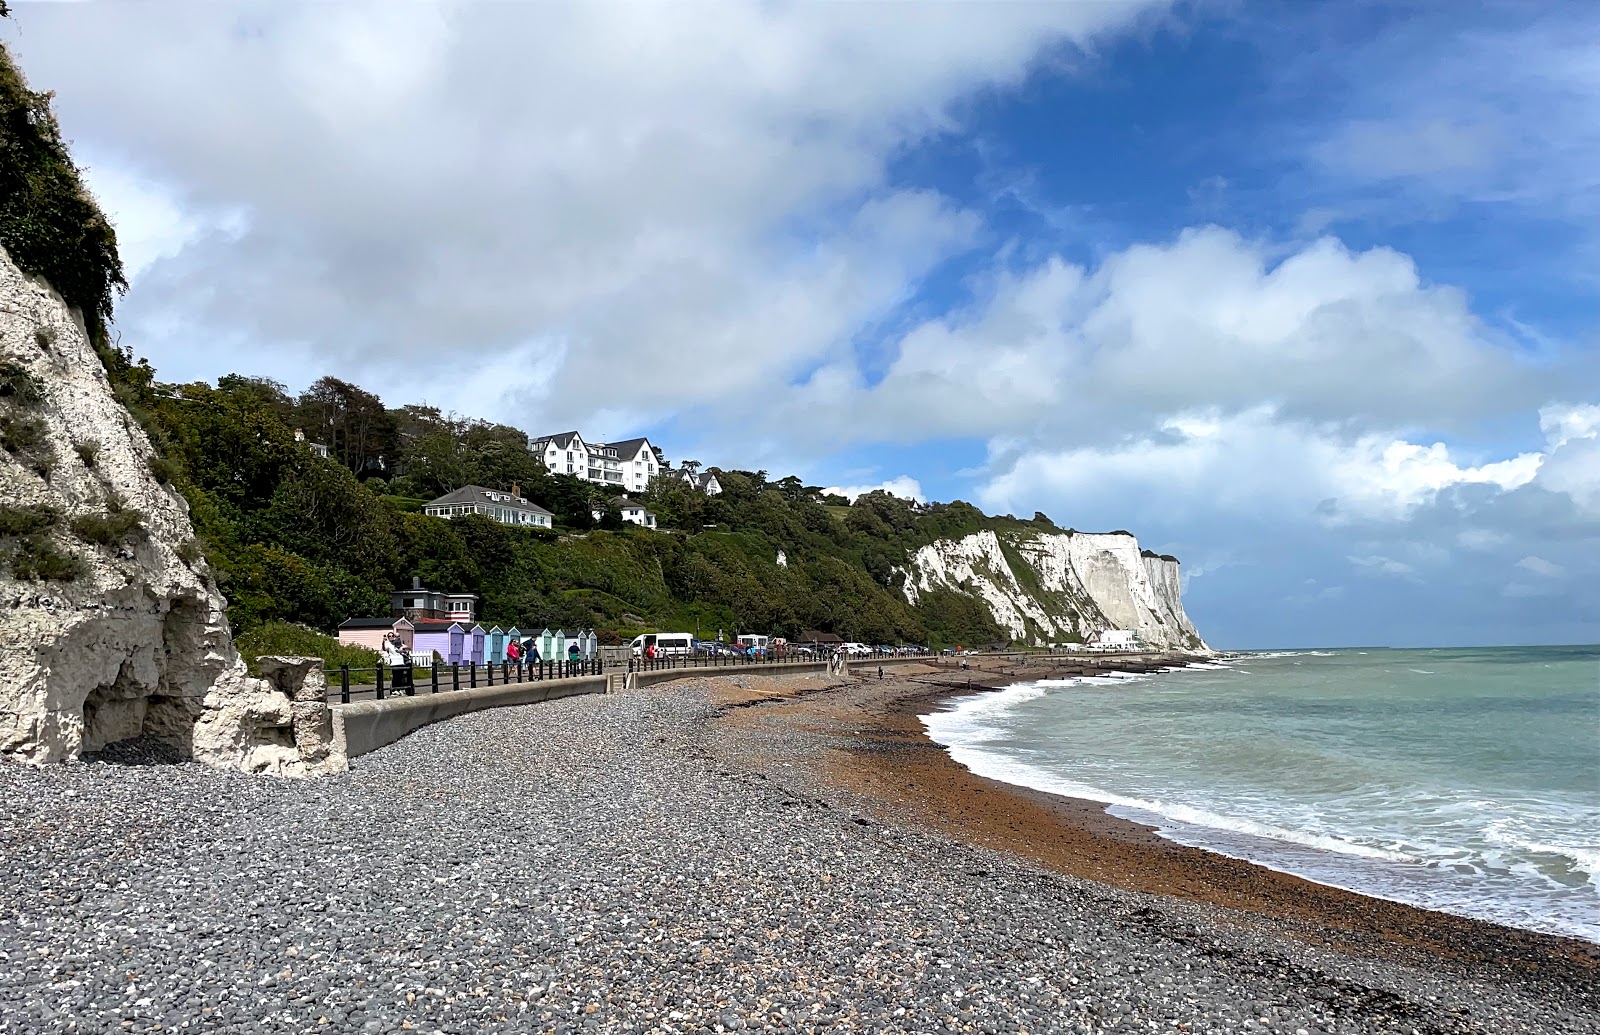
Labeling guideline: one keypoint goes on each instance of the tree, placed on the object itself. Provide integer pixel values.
(352, 422)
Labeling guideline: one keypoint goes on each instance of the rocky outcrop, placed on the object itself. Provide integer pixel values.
(110, 624)
(1055, 587)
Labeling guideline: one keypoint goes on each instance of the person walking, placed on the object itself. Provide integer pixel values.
(880, 671)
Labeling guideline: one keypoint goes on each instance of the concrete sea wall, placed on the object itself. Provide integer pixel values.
(365, 726)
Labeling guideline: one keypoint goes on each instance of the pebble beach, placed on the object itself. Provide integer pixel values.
(645, 861)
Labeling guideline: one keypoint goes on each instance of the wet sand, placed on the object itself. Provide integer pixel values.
(878, 753)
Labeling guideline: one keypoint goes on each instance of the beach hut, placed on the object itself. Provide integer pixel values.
(546, 644)
(372, 632)
(442, 637)
(497, 645)
(560, 644)
(477, 635)
(591, 643)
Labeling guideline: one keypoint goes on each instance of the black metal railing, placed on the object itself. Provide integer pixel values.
(386, 681)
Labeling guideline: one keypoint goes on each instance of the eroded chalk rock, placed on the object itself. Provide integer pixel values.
(136, 642)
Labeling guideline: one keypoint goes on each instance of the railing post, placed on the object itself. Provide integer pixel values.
(380, 679)
(472, 674)
(411, 681)
(344, 683)
(520, 678)
(490, 667)
(433, 675)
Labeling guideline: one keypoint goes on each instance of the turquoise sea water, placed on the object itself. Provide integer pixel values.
(1461, 780)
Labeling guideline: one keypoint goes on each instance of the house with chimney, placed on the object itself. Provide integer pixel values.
(508, 508)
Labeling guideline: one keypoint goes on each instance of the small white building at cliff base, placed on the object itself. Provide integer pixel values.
(1113, 639)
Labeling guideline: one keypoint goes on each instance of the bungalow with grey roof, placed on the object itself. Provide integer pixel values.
(508, 508)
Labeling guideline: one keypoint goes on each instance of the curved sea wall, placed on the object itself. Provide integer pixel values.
(1047, 587)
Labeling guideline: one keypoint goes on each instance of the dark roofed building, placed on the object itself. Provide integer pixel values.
(508, 508)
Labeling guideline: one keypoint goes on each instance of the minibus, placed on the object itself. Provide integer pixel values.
(664, 643)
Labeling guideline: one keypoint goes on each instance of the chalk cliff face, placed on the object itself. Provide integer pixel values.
(115, 630)
(1059, 587)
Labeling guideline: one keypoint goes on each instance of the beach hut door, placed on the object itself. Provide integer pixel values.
(457, 642)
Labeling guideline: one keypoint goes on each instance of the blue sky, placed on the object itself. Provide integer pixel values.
(1305, 294)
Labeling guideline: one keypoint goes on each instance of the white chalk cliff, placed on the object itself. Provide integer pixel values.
(1060, 587)
(131, 638)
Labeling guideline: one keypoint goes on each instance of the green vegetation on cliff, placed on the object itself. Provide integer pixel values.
(49, 224)
(296, 537)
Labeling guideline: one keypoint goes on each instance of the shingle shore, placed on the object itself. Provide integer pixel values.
(601, 864)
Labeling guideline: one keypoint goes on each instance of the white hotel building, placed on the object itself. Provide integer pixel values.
(628, 465)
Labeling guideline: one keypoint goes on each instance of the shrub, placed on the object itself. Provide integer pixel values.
(20, 521)
(25, 547)
(88, 452)
(19, 385)
(189, 551)
(162, 469)
(118, 524)
(36, 559)
(286, 638)
(27, 438)
(26, 435)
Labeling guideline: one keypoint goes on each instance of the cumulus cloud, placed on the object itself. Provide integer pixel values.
(1540, 566)
(1208, 320)
(904, 486)
(692, 199)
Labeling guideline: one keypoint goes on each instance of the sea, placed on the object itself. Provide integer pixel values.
(1461, 780)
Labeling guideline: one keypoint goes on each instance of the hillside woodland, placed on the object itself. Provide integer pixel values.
(294, 536)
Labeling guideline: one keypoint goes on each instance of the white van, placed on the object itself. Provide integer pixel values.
(664, 643)
(748, 640)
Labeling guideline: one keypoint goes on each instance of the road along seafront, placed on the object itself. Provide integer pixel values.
(678, 858)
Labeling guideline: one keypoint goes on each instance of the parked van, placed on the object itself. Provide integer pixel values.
(664, 643)
(748, 640)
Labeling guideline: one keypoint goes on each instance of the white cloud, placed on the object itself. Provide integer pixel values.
(1257, 461)
(1572, 463)
(1207, 321)
(904, 486)
(1540, 566)
(694, 198)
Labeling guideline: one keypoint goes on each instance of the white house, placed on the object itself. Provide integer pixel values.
(627, 465)
(1113, 639)
(705, 481)
(505, 507)
(633, 512)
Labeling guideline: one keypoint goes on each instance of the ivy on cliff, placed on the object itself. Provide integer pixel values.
(49, 223)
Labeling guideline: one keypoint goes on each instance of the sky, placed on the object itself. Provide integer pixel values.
(1307, 295)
